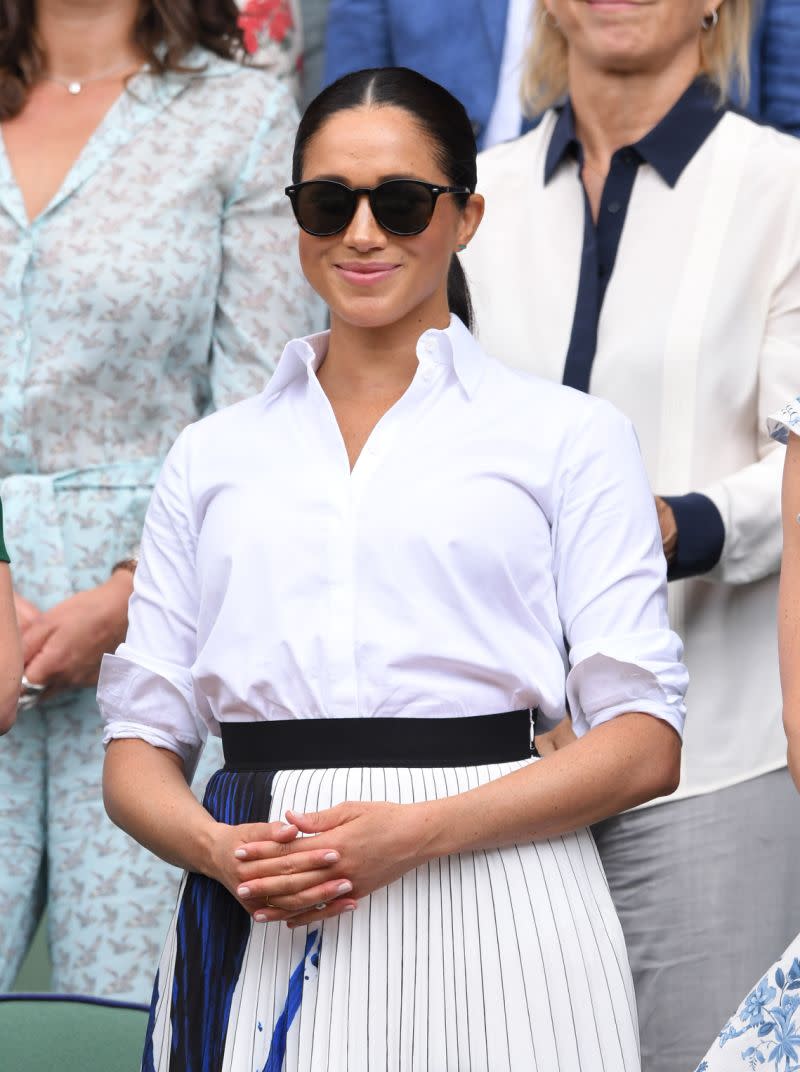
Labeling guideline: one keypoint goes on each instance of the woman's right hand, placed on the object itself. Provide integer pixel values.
(252, 862)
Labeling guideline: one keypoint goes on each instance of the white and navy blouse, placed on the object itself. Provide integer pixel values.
(681, 306)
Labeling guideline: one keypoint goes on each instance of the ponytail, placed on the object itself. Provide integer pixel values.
(458, 297)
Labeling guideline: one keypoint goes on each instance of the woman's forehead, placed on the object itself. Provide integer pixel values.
(382, 140)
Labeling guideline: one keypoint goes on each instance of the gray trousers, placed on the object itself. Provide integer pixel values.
(708, 894)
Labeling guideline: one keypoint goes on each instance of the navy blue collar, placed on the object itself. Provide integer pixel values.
(668, 147)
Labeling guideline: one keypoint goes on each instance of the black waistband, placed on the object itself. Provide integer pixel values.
(303, 744)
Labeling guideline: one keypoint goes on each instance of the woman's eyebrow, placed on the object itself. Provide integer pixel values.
(346, 182)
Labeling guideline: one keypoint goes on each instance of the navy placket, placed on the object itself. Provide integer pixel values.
(668, 149)
(600, 244)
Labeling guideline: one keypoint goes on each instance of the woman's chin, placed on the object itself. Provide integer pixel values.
(368, 312)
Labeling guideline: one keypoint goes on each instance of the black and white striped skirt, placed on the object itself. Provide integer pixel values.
(502, 960)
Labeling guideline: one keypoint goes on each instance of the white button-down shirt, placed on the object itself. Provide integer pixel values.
(489, 516)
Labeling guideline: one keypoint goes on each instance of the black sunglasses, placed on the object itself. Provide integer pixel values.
(324, 207)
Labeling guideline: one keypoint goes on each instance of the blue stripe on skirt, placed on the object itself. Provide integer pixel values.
(212, 934)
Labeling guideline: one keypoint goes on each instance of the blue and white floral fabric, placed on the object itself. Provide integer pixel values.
(786, 420)
(764, 1033)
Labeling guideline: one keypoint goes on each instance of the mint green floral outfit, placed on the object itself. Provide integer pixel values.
(764, 1032)
(160, 282)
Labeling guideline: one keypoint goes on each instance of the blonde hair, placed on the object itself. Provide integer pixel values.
(725, 55)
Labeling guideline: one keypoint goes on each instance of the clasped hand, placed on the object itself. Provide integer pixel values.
(349, 851)
(63, 646)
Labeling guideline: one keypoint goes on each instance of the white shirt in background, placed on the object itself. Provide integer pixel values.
(698, 342)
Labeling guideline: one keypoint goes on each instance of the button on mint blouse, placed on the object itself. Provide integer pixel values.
(160, 282)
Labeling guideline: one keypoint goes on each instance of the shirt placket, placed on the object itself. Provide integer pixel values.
(352, 498)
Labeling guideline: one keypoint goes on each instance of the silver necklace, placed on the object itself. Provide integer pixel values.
(75, 86)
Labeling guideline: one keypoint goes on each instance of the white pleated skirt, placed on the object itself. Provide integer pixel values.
(506, 960)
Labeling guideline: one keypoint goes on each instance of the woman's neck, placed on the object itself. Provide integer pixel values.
(613, 110)
(82, 39)
(374, 362)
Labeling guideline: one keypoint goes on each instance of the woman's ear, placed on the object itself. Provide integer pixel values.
(470, 218)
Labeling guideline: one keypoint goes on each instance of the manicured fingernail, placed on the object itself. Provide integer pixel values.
(243, 891)
(344, 887)
(259, 917)
(331, 857)
(241, 854)
(349, 908)
(285, 827)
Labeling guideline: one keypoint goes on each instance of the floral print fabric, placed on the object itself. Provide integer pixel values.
(272, 36)
(785, 421)
(764, 1033)
(159, 283)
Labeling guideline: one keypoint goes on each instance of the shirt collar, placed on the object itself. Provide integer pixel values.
(668, 147)
(454, 346)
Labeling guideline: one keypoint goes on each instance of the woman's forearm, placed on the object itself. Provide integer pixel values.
(10, 652)
(146, 794)
(624, 762)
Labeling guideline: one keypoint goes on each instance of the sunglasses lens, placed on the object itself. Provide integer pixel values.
(323, 208)
(404, 208)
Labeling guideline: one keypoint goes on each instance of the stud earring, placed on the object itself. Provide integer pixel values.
(460, 249)
(708, 22)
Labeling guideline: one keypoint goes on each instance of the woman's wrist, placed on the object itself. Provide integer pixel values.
(434, 829)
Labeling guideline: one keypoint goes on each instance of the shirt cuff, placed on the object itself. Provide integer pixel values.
(701, 535)
(602, 686)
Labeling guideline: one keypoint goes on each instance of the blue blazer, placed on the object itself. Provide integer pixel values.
(775, 65)
(459, 44)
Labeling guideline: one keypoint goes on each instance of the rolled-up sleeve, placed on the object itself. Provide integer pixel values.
(611, 582)
(146, 688)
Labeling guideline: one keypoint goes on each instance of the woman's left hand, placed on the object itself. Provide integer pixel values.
(377, 843)
(63, 647)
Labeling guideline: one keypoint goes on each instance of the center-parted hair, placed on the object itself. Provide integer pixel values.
(440, 116)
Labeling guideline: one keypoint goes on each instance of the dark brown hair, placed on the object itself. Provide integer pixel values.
(439, 115)
(166, 31)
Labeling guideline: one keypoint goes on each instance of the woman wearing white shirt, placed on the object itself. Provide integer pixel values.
(343, 576)
(648, 242)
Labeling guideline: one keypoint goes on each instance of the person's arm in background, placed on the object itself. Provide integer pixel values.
(358, 36)
(789, 605)
(263, 299)
(777, 39)
(10, 648)
(731, 531)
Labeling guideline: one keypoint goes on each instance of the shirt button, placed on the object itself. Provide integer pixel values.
(614, 207)
(21, 335)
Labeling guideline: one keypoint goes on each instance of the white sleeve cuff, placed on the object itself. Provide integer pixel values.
(152, 702)
(118, 729)
(602, 686)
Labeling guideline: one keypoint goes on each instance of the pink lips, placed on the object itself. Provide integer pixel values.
(365, 273)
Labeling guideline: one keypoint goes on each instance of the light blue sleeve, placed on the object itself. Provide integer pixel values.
(262, 299)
